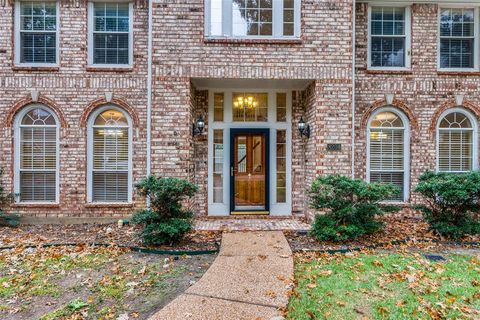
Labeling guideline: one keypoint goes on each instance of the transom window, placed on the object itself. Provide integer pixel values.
(455, 143)
(387, 150)
(110, 33)
(250, 107)
(252, 18)
(36, 36)
(457, 38)
(110, 156)
(37, 156)
(389, 40)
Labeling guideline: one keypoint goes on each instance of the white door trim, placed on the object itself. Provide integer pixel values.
(223, 209)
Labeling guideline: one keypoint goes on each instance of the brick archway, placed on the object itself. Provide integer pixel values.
(474, 109)
(28, 100)
(101, 102)
(399, 104)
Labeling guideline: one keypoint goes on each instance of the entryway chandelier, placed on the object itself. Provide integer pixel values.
(245, 102)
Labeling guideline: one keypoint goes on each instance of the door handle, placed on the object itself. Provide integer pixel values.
(231, 171)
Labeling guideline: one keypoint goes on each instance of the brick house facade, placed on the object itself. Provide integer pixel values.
(188, 68)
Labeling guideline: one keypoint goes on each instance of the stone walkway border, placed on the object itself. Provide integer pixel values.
(250, 225)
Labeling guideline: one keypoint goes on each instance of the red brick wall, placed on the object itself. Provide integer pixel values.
(323, 55)
(72, 88)
(422, 92)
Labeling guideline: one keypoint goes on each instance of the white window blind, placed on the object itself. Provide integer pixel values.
(455, 143)
(38, 32)
(38, 157)
(387, 155)
(110, 171)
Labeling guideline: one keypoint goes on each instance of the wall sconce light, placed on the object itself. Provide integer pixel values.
(304, 128)
(198, 126)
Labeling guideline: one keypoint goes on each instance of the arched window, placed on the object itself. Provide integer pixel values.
(109, 159)
(456, 141)
(388, 150)
(36, 154)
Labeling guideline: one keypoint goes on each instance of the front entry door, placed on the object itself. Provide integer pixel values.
(249, 171)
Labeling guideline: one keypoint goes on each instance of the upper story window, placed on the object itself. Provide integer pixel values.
(252, 18)
(110, 34)
(36, 33)
(389, 38)
(457, 40)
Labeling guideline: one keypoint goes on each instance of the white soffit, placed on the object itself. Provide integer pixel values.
(293, 84)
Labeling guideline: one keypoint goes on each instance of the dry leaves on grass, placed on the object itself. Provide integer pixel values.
(98, 233)
(396, 229)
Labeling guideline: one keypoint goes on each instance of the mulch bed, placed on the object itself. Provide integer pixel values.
(414, 230)
(99, 233)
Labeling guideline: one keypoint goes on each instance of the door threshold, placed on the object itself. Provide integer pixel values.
(252, 213)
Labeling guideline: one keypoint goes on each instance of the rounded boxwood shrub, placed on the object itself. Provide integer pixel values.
(451, 202)
(166, 221)
(351, 207)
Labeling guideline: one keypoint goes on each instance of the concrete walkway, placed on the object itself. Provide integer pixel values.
(249, 280)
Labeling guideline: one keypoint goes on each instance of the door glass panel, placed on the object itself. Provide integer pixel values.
(249, 172)
(218, 166)
(281, 166)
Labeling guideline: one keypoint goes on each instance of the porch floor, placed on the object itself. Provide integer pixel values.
(250, 224)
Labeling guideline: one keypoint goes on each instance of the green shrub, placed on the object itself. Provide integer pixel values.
(10, 220)
(352, 206)
(451, 202)
(165, 222)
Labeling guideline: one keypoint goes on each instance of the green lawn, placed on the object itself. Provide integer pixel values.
(386, 286)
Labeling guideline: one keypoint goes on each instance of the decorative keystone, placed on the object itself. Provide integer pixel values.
(34, 94)
(389, 98)
(459, 98)
(108, 96)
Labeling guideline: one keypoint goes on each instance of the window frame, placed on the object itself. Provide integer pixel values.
(17, 38)
(17, 158)
(90, 142)
(91, 26)
(408, 37)
(406, 148)
(476, 38)
(473, 121)
(277, 20)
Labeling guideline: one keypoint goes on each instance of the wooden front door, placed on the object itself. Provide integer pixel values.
(249, 171)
